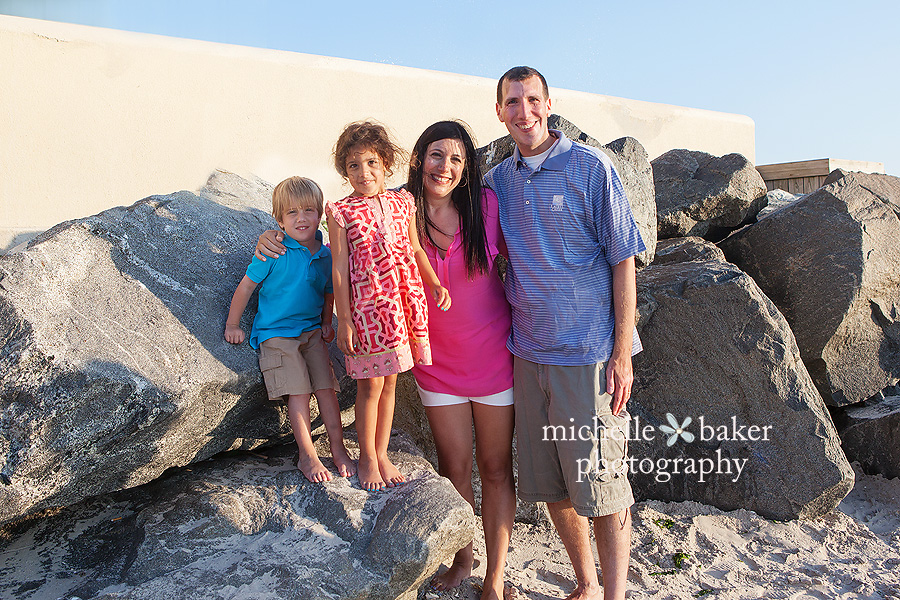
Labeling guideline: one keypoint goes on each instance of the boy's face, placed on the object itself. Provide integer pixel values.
(301, 223)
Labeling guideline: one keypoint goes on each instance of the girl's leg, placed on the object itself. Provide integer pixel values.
(493, 451)
(389, 473)
(368, 394)
(309, 463)
(330, 412)
(451, 427)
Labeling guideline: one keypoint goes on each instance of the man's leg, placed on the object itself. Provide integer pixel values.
(613, 534)
(574, 530)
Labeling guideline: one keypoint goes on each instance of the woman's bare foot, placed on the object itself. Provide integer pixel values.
(313, 469)
(389, 473)
(452, 577)
(343, 462)
(370, 475)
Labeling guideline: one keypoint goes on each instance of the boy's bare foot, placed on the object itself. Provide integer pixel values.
(369, 475)
(313, 469)
(452, 577)
(345, 465)
(389, 473)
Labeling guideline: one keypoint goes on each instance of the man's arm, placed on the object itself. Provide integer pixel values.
(619, 372)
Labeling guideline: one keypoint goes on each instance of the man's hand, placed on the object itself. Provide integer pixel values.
(441, 297)
(327, 332)
(347, 341)
(619, 378)
(234, 334)
(269, 244)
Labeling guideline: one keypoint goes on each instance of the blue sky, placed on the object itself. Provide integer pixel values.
(817, 77)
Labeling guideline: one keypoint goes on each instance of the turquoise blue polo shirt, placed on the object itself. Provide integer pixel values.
(566, 223)
(291, 292)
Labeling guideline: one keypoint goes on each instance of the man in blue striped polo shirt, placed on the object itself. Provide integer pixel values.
(571, 283)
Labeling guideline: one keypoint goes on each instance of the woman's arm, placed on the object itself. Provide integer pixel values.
(440, 294)
(347, 339)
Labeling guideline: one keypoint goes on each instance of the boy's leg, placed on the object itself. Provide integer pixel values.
(389, 473)
(493, 451)
(331, 417)
(368, 394)
(309, 463)
(451, 427)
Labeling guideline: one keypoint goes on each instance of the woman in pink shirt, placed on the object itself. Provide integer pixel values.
(470, 378)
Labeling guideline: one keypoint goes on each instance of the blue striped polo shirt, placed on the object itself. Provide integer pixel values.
(566, 224)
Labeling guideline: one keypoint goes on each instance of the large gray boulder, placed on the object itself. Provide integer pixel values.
(831, 263)
(244, 526)
(698, 194)
(718, 352)
(630, 160)
(113, 367)
(870, 435)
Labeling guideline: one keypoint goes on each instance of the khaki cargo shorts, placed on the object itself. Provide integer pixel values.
(295, 366)
(569, 444)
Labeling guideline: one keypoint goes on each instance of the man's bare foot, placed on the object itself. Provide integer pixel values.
(452, 577)
(369, 475)
(389, 473)
(313, 469)
(501, 591)
(585, 592)
(345, 465)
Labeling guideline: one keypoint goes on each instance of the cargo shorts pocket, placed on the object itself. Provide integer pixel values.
(613, 447)
(273, 375)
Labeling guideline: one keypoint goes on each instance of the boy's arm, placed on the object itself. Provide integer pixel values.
(619, 371)
(346, 338)
(233, 331)
(327, 314)
(440, 294)
(269, 244)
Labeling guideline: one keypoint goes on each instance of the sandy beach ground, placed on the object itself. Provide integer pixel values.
(689, 550)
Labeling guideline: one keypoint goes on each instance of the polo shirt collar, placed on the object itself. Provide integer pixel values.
(290, 242)
(558, 157)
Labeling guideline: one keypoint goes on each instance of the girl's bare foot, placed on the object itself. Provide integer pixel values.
(452, 577)
(369, 475)
(343, 462)
(389, 473)
(313, 469)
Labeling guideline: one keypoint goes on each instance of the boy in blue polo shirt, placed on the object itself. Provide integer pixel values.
(293, 323)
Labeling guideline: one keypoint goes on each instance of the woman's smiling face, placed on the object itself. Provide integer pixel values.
(442, 167)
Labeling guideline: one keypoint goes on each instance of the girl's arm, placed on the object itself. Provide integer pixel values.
(327, 314)
(233, 331)
(440, 294)
(269, 244)
(347, 339)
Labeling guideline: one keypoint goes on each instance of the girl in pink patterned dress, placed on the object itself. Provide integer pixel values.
(378, 268)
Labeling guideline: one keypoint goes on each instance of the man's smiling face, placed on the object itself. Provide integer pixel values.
(524, 110)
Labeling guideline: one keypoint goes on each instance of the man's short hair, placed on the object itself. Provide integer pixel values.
(521, 74)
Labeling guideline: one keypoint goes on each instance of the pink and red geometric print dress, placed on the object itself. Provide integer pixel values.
(387, 299)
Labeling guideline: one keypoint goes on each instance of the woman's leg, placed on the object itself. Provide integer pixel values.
(451, 427)
(493, 451)
(368, 394)
(389, 473)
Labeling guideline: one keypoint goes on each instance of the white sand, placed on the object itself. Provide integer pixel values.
(852, 553)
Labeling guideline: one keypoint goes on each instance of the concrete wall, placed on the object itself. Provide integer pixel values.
(92, 118)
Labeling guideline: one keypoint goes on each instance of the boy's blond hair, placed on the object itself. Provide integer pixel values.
(300, 191)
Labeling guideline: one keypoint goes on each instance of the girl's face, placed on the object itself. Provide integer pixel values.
(442, 167)
(365, 171)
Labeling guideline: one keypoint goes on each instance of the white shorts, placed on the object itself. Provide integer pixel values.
(504, 398)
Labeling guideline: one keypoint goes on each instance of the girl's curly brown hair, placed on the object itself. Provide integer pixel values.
(370, 136)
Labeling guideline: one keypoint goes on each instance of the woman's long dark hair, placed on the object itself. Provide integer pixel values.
(466, 197)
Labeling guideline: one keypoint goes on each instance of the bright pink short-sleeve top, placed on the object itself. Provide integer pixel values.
(468, 341)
